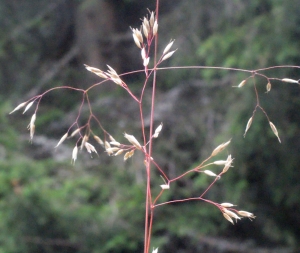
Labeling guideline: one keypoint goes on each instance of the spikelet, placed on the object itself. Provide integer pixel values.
(74, 154)
(133, 140)
(157, 131)
(221, 147)
(28, 106)
(242, 83)
(288, 80)
(248, 125)
(61, 140)
(227, 217)
(18, 107)
(268, 87)
(274, 130)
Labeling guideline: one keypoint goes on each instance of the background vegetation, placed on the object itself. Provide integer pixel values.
(47, 205)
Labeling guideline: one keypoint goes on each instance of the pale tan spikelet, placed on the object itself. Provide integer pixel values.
(288, 80)
(157, 130)
(231, 214)
(32, 129)
(90, 148)
(246, 214)
(98, 139)
(115, 143)
(227, 204)
(75, 132)
(18, 107)
(220, 162)
(248, 125)
(168, 55)
(242, 83)
(274, 130)
(146, 61)
(151, 19)
(28, 106)
(112, 72)
(137, 35)
(74, 154)
(146, 24)
(155, 28)
(112, 150)
(168, 47)
(221, 147)
(227, 217)
(119, 152)
(133, 140)
(61, 140)
(143, 53)
(165, 186)
(31, 126)
(210, 173)
(136, 40)
(107, 145)
(228, 164)
(84, 140)
(96, 71)
(145, 30)
(111, 138)
(128, 154)
(268, 87)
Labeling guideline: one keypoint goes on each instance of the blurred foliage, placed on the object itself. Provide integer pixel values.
(98, 205)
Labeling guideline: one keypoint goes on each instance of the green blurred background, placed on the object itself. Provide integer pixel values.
(48, 205)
